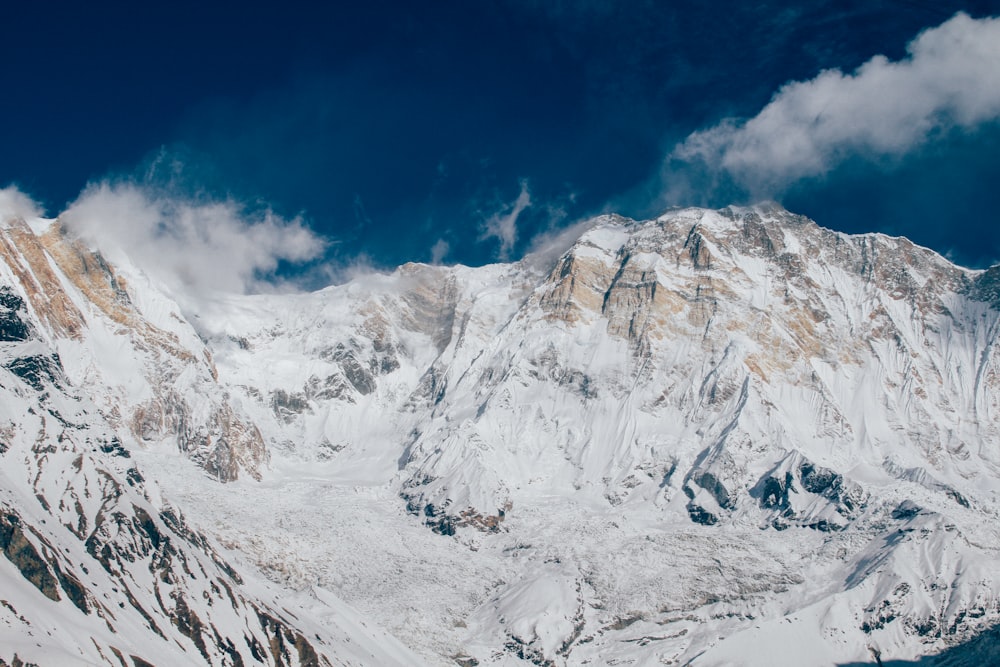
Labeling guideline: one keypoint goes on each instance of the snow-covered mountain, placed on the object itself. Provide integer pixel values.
(100, 567)
(717, 437)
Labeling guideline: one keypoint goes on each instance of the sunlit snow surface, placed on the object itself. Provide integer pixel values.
(636, 588)
(558, 565)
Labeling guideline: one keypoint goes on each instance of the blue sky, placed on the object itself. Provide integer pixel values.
(460, 131)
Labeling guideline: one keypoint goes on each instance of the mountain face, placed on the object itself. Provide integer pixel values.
(157, 378)
(716, 437)
(99, 567)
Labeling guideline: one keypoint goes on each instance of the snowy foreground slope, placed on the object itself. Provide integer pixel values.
(718, 437)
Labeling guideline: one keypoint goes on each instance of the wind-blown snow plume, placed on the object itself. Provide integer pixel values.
(950, 79)
(548, 246)
(16, 204)
(195, 247)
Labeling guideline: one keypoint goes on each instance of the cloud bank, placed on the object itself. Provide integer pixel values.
(195, 247)
(949, 80)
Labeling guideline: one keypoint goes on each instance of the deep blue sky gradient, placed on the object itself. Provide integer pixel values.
(393, 125)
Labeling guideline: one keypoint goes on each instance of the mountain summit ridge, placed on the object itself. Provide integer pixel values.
(821, 407)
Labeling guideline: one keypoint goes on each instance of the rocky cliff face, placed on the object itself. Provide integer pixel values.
(152, 375)
(716, 424)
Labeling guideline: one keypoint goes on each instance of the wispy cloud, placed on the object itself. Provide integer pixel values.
(193, 247)
(16, 204)
(950, 79)
(502, 225)
(439, 251)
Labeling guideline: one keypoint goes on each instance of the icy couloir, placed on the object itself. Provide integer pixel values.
(711, 437)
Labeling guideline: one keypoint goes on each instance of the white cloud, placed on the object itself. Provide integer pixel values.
(502, 225)
(195, 248)
(14, 204)
(950, 79)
